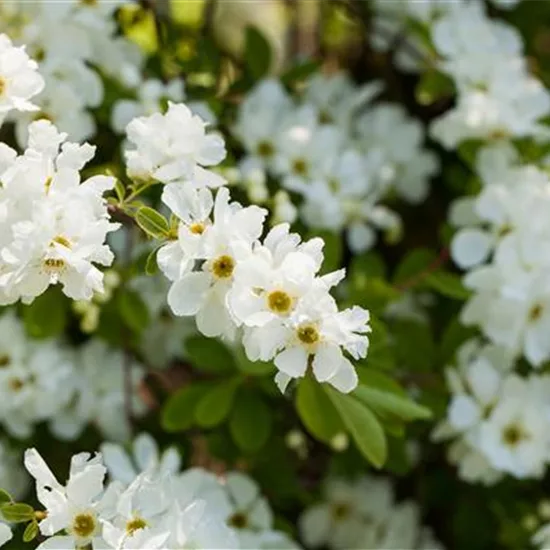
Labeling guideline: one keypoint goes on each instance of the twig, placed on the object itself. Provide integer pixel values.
(434, 266)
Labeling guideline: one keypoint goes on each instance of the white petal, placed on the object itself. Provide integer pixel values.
(145, 451)
(118, 463)
(187, 295)
(242, 490)
(463, 412)
(57, 543)
(345, 379)
(5, 534)
(470, 247)
(292, 361)
(38, 469)
(360, 237)
(326, 362)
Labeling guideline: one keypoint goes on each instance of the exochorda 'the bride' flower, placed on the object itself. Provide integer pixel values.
(52, 226)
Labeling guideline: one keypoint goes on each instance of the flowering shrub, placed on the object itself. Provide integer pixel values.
(274, 293)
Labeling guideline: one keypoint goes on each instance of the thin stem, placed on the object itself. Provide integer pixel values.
(434, 266)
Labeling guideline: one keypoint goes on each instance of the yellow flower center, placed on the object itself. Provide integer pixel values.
(134, 525)
(279, 302)
(54, 264)
(84, 525)
(308, 334)
(535, 313)
(16, 384)
(238, 520)
(340, 511)
(300, 167)
(223, 267)
(48, 184)
(197, 228)
(3, 86)
(265, 149)
(513, 434)
(4, 360)
(63, 241)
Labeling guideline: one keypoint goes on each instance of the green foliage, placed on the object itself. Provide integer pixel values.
(17, 512)
(414, 344)
(316, 411)
(5, 497)
(31, 531)
(152, 222)
(209, 355)
(447, 284)
(48, 314)
(433, 86)
(251, 421)
(178, 413)
(258, 55)
(215, 404)
(363, 426)
(133, 310)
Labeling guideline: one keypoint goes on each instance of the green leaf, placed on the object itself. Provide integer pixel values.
(5, 497)
(17, 512)
(448, 284)
(120, 191)
(454, 335)
(133, 310)
(376, 379)
(373, 293)
(258, 55)
(433, 86)
(251, 421)
(47, 316)
(316, 411)
(31, 531)
(381, 354)
(178, 413)
(208, 355)
(253, 368)
(215, 405)
(300, 72)
(151, 266)
(413, 265)
(387, 404)
(152, 222)
(369, 265)
(414, 344)
(363, 426)
(333, 250)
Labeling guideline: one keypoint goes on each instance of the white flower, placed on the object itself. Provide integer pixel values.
(515, 435)
(225, 243)
(145, 457)
(150, 96)
(260, 119)
(362, 514)
(73, 508)
(99, 396)
(58, 224)
(5, 533)
(19, 78)
(174, 147)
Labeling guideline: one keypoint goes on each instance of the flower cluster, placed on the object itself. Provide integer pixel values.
(363, 514)
(52, 226)
(336, 150)
(230, 280)
(73, 75)
(234, 498)
(90, 379)
(19, 79)
(392, 19)
(500, 239)
(497, 419)
(150, 505)
(497, 96)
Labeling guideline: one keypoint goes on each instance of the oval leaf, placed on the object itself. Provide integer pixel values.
(251, 421)
(178, 413)
(363, 426)
(31, 531)
(17, 512)
(316, 411)
(152, 222)
(215, 405)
